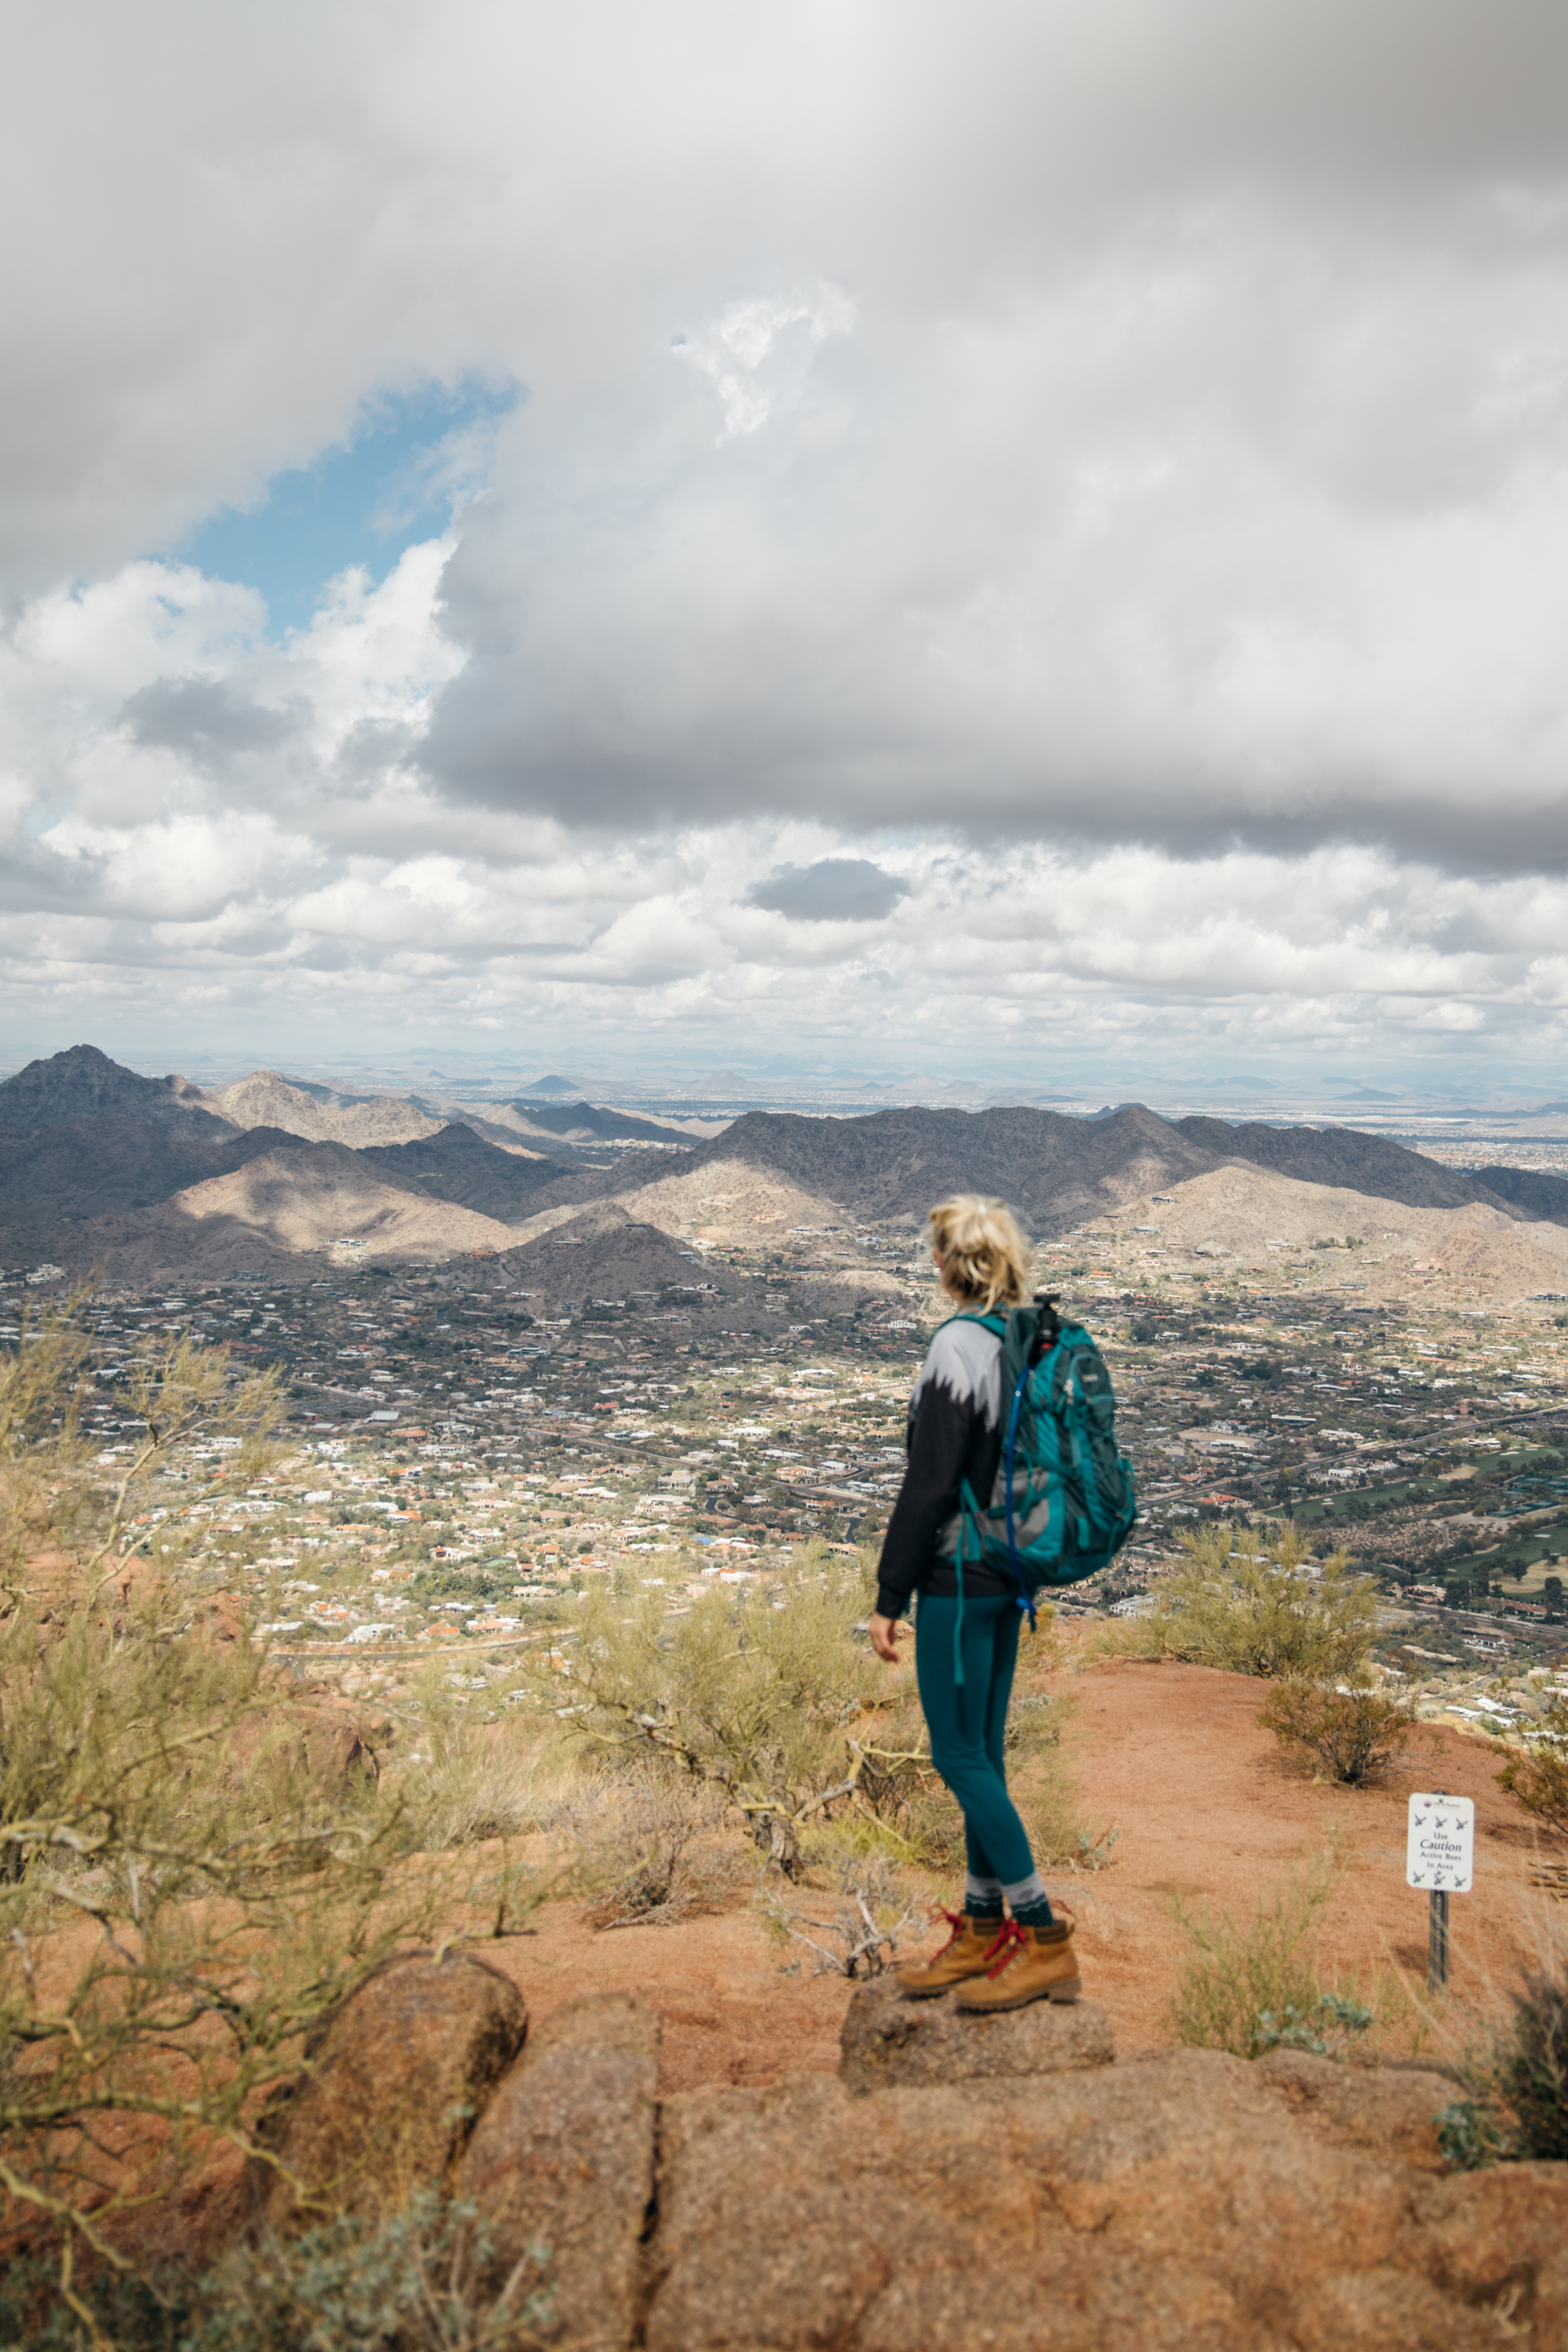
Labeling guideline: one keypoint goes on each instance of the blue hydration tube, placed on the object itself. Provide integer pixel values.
(1025, 1597)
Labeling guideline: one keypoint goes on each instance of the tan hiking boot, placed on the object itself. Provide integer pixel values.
(964, 1954)
(1025, 1964)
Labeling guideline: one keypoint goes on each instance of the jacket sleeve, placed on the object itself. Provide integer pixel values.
(940, 1437)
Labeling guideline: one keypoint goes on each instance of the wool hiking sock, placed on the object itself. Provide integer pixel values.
(1029, 1903)
(982, 1900)
(1035, 1915)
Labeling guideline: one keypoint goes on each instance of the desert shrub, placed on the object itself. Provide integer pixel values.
(1357, 1734)
(1093, 1853)
(107, 2308)
(185, 1898)
(1518, 2106)
(927, 1826)
(1253, 1602)
(109, 1687)
(1533, 2066)
(647, 1849)
(421, 2280)
(1470, 2135)
(468, 1783)
(1117, 1637)
(1538, 1774)
(934, 1828)
(1034, 1722)
(896, 1805)
(125, 1705)
(1041, 1781)
(868, 1925)
(1243, 1981)
(58, 1502)
(225, 1930)
(412, 2281)
(897, 1787)
(1327, 2028)
(753, 1699)
(1048, 1811)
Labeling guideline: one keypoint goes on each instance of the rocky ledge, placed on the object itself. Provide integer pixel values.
(887, 2040)
(1183, 2202)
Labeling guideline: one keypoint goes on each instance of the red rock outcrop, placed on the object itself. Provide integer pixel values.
(394, 2089)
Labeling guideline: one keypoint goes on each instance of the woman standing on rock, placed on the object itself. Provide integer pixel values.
(967, 1641)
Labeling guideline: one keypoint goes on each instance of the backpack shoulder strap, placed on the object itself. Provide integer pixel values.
(1026, 1328)
(996, 1324)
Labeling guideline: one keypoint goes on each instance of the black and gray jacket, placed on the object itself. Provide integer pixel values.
(954, 1432)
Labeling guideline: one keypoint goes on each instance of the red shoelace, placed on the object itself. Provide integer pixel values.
(955, 1921)
(1012, 1939)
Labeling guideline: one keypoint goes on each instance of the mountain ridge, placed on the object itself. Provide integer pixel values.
(81, 1082)
(91, 1153)
(896, 1163)
(266, 1099)
(86, 1167)
(1057, 1167)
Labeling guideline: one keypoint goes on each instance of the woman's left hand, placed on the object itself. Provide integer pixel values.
(884, 1632)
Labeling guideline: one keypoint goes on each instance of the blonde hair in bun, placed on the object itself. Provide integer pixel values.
(984, 1257)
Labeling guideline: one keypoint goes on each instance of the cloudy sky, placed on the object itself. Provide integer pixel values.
(860, 535)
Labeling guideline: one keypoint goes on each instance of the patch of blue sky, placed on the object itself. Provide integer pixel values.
(411, 460)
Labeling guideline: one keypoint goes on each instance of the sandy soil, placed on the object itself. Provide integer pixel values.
(1208, 1810)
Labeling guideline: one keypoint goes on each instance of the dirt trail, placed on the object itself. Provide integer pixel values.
(1207, 1809)
(1210, 1808)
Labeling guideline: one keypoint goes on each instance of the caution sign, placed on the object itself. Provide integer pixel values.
(1440, 1852)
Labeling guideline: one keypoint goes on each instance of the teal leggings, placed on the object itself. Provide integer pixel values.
(967, 1724)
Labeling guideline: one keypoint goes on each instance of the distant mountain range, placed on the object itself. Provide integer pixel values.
(585, 1122)
(154, 1176)
(1057, 1169)
(318, 1113)
(99, 1166)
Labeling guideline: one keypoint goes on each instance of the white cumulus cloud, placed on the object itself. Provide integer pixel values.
(1102, 472)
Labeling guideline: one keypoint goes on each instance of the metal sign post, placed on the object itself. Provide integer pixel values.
(1437, 1942)
(1440, 1856)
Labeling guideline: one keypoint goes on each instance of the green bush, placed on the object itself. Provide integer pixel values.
(754, 1698)
(1538, 1775)
(1357, 1733)
(471, 1781)
(1533, 2072)
(1243, 1982)
(1253, 1602)
(56, 1498)
(422, 2279)
(1326, 2029)
(185, 1901)
(1517, 2111)
(1470, 2135)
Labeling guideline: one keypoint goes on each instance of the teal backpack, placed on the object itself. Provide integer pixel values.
(1064, 1501)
